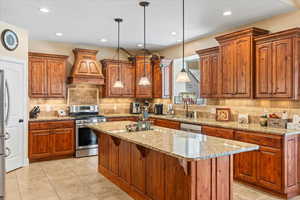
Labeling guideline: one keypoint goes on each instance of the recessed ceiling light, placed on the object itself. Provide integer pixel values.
(44, 10)
(103, 40)
(227, 13)
(140, 45)
(179, 40)
(59, 34)
(174, 33)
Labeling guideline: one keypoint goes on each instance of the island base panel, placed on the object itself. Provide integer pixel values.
(172, 179)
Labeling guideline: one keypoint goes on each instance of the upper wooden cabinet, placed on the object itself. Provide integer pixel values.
(209, 72)
(237, 62)
(277, 65)
(157, 78)
(143, 91)
(86, 68)
(47, 75)
(127, 76)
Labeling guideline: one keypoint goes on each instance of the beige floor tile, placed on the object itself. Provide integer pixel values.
(78, 179)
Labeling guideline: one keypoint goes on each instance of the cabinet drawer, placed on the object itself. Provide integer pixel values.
(51, 125)
(167, 123)
(258, 138)
(218, 132)
(114, 119)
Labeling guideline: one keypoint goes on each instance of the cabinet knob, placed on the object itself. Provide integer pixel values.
(21, 120)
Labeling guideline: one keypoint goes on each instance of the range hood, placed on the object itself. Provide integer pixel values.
(86, 68)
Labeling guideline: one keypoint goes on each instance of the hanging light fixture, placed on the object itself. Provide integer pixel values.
(183, 76)
(118, 83)
(144, 80)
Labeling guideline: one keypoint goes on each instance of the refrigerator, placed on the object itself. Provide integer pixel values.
(2, 136)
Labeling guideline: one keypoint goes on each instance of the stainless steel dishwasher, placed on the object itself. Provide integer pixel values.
(191, 128)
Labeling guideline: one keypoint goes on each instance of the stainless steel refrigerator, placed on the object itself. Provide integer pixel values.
(2, 136)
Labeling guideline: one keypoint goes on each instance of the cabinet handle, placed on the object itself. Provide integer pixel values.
(7, 152)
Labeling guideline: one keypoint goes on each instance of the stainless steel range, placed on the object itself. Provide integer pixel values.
(86, 139)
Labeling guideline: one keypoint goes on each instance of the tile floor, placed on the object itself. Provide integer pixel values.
(78, 179)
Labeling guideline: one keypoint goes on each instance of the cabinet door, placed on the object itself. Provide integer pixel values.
(263, 70)
(56, 77)
(112, 77)
(37, 77)
(63, 141)
(269, 172)
(215, 75)
(104, 150)
(157, 80)
(282, 68)
(138, 167)
(206, 75)
(128, 78)
(114, 155)
(143, 91)
(124, 162)
(40, 144)
(245, 166)
(242, 67)
(228, 73)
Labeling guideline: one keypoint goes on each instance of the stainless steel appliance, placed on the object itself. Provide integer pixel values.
(158, 109)
(191, 128)
(86, 139)
(135, 108)
(2, 136)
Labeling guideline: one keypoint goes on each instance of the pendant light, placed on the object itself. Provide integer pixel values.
(118, 83)
(182, 76)
(144, 81)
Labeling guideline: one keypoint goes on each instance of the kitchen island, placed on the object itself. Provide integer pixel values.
(167, 164)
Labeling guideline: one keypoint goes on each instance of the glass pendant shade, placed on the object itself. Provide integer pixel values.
(183, 77)
(144, 81)
(118, 84)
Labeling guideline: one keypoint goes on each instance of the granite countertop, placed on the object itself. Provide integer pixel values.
(200, 121)
(180, 144)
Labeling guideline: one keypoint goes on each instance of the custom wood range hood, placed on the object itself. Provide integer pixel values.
(86, 68)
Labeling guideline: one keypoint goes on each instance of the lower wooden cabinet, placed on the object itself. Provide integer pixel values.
(269, 170)
(48, 140)
(245, 166)
(218, 132)
(138, 167)
(166, 123)
(115, 119)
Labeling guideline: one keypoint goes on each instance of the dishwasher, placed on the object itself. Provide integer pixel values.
(191, 128)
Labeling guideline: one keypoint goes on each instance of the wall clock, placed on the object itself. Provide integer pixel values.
(9, 40)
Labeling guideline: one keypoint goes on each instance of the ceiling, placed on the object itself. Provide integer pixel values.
(88, 21)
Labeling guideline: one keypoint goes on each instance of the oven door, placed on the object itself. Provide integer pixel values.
(85, 137)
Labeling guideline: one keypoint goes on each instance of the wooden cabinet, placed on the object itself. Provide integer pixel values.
(113, 163)
(166, 123)
(113, 119)
(63, 141)
(143, 91)
(126, 73)
(209, 72)
(49, 140)
(157, 78)
(245, 166)
(218, 132)
(104, 145)
(40, 143)
(236, 60)
(47, 75)
(269, 170)
(277, 71)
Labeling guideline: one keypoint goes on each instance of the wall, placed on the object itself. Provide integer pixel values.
(50, 106)
(254, 108)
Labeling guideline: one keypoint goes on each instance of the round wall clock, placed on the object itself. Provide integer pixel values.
(9, 39)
